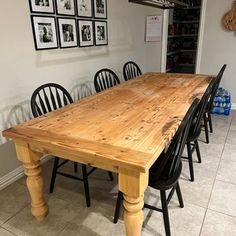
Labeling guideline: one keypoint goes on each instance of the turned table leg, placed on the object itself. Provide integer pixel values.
(31, 163)
(133, 186)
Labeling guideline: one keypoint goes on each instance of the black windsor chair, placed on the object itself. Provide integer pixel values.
(195, 130)
(165, 172)
(47, 98)
(207, 116)
(104, 79)
(131, 70)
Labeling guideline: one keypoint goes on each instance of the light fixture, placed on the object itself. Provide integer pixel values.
(164, 4)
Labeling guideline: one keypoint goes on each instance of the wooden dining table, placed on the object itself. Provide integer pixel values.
(123, 129)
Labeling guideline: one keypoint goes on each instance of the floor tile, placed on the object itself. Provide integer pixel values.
(227, 171)
(197, 192)
(73, 191)
(204, 174)
(233, 122)
(223, 198)
(217, 224)
(102, 211)
(12, 199)
(73, 229)
(220, 119)
(212, 150)
(60, 214)
(231, 138)
(229, 153)
(4, 232)
(233, 114)
(183, 221)
(214, 139)
(86, 226)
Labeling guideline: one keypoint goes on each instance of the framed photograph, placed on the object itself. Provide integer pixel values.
(65, 7)
(86, 38)
(44, 30)
(67, 32)
(100, 9)
(84, 8)
(101, 35)
(42, 6)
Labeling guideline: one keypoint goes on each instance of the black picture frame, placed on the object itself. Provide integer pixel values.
(65, 10)
(100, 33)
(100, 9)
(86, 39)
(42, 25)
(68, 32)
(37, 6)
(81, 10)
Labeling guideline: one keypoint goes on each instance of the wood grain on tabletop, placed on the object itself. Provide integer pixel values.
(130, 123)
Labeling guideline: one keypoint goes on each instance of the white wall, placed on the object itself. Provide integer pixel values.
(219, 45)
(23, 69)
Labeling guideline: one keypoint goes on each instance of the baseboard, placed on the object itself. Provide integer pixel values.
(16, 174)
(233, 106)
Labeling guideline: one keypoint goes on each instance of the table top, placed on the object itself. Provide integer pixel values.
(128, 125)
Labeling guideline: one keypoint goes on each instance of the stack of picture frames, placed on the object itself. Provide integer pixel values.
(69, 23)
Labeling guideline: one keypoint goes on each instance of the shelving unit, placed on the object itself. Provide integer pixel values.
(182, 35)
(183, 38)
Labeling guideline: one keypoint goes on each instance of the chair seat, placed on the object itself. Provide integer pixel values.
(193, 136)
(162, 181)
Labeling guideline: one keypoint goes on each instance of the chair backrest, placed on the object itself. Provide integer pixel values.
(49, 97)
(220, 74)
(131, 70)
(196, 126)
(104, 79)
(176, 148)
(215, 88)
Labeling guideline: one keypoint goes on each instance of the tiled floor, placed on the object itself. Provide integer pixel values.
(210, 202)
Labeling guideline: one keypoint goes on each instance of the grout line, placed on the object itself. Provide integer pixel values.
(9, 231)
(216, 176)
(28, 204)
(61, 231)
(223, 213)
(227, 182)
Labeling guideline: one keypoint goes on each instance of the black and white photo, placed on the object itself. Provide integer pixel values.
(100, 9)
(84, 8)
(101, 35)
(41, 6)
(67, 32)
(65, 7)
(45, 34)
(86, 37)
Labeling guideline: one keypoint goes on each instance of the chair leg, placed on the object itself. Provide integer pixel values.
(54, 173)
(86, 185)
(210, 122)
(190, 161)
(179, 195)
(198, 151)
(206, 128)
(110, 175)
(165, 213)
(118, 206)
(75, 167)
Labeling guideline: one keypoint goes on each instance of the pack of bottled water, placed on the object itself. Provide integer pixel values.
(222, 102)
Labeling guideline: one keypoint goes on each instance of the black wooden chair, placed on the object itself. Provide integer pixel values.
(131, 70)
(47, 98)
(104, 79)
(207, 116)
(195, 130)
(165, 172)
